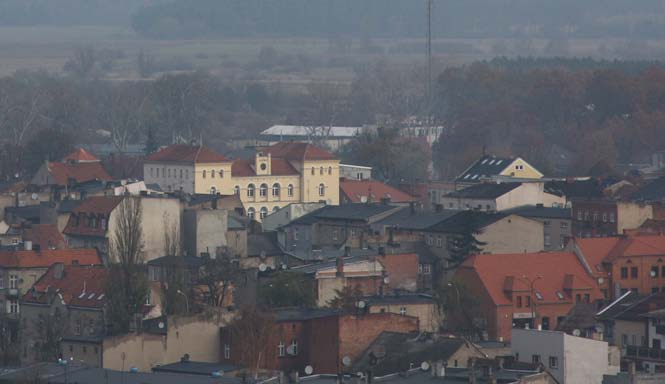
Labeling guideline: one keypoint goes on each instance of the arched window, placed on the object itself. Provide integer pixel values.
(263, 190)
(321, 171)
(204, 173)
(322, 190)
(313, 171)
(213, 190)
(250, 190)
(289, 190)
(275, 189)
(236, 190)
(330, 170)
(251, 212)
(221, 173)
(275, 209)
(263, 212)
(212, 173)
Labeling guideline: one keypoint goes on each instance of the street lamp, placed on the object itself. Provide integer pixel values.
(186, 299)
(63, 363)
(531, 283)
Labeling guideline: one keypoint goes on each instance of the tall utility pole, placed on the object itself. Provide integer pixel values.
(429, 56)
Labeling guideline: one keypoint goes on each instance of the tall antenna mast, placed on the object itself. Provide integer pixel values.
(429, 56)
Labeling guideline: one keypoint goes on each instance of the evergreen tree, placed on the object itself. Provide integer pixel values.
(151, 144)
(464, 243)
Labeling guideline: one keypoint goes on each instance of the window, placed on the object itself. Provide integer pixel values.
(427, 269)
(13, 306)
(294, 347)
(221, 173)
(275, 190)
(181, 173)
(313, 171)
(654, 290)
(662, 271)
(322, 190)
(578, 298)
(429, 240)
(281, 349)
(263, 212)
(633, 272)
(170, 173)
(321, 171)
(263, 190)
(604, 217)
(163, 172)
(251, 212)
(250, 190)
(559, 295)
(624, 272)
(213, 190)
(330, 170)
(587, 298)
(289, 190)
(579, 215)
(334, 234)
(654, 271)
(295, 234)
(77, 327)
(402, 311)
(420, 269)
(518, 302)
(547, 223)
(439, 241)
(595, 216)
(2, 282)
(539, 296)
(212, 173)
(13, 281)
(236, 190)
(586, 215)
(535, 359)
(204, 173)
(528, 301)
(624, 339)
(548, 240)
(85, 349)
(227, 351)
(554, 362)
(186, 173)
(563, 225)
(611, 217)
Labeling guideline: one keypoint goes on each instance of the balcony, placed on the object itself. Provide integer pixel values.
(644, 353)
(13, 293)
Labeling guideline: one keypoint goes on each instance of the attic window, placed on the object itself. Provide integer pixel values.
(499, 162)
(539, 296)
(559, 295)
(82, 295)
(466, 176)
(101, 297)
(474, 177)
(491, 162)
(484, 161)
(92, 295)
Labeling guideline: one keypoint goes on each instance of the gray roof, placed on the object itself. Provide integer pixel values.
(235, 223)
(485, 167)
(328, 253)
(313, 268)
(654, 191)
(68, 206)
(463, 219)
(263, 243)
(484, 191)
(28, 212)
(406, 219)
(195, 368)
(410, 298)
(299, 314)
(354, 211)
(535, 211)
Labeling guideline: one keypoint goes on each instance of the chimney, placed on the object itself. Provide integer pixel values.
(340, 267)
(58, 271)
(412, 207)
(27, 245)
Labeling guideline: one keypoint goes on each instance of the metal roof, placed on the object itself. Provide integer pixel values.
(308, 131)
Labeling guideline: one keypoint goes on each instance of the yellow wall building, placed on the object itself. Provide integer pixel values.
(276, 176)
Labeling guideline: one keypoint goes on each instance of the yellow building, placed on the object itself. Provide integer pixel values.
(276, 176)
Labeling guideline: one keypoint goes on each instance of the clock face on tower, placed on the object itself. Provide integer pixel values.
(263, 166)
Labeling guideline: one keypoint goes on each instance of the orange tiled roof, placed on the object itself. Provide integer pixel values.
(80, 172)
(559, 271)
(80, 155)
(355, 189)
(47, 257)
(278, 167)
(95, 205)
(82, 286)
(608, 249)
(299, 151)
(183, 153)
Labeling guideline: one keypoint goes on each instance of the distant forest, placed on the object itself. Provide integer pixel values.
(354, 18)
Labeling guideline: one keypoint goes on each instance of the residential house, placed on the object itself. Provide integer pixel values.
(278, 175)
(77, 167)
(568, 358)
(399, 352)
(522, 290)
(422, 306)
(557, 225)
(355, 172)
(490, 168)
(604, 217)
(69, 300)
(366, 191)
(287, 214)
(93, 223)
(320, 338)
(201, 229)
(492, 197)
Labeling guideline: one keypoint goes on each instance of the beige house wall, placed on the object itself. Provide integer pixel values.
(513, 234)
(634, 331)
(221, 179)
(526, 172)
(632, 215)
(528, 194)
(197, 336)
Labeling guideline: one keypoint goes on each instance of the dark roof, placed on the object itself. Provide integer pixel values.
(581, 316)
(463, 219)
(411, 298)
(541, 212)
(398, 352)
(654, 191)
(195, 368)
(406, 219)
(235, 223)
(263, 243)
(171, 261)
(331, 260)
(355, 211)
(28, 212)
(182, 153)
(299, 151)
(486, 166)
(484, 191)
(68, 206)
(300, 314)
(575, 189)
(625, 307)
(328, 253)
(278, 167)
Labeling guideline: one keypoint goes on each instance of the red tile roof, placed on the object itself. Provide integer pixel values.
(183, 153)
(278, 167)
(608, 249)
(45, 236)
(299, 151)
(80, 172)
(82, 286)
(559, 270)
(47, 257)
(355, 190)
(96, 205)
(80, 155)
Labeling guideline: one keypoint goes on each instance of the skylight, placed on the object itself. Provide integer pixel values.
(82, 295)
(499, 162)
(559, 295)
(91, 296)
(101, 297)
(491, 162)
(474, 177)
(484, 161)
(539, 296)
(466, 176)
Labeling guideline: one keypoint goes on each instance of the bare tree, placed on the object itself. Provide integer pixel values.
(83, 61)
(219, 275)
(50, 330)
(251, 332)
(124, 113)
(172, 240)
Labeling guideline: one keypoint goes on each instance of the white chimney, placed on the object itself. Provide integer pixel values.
(540, 327)
(27, 245)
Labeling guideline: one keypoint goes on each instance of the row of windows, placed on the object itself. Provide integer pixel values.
(321, 170)
(281, 349)
(84, 349)
(90, 220)
(553, 360)
(171, 173)
(263, 212)
(562, 225)
(13, 282)
(585, 215)
(633, 272)
(439, 241)
(263, 190)
(424, 269)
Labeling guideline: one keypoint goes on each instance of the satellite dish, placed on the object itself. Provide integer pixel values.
(160, 325)
(34, 196)
(424, 366)
(346, 361)
(291, 350)
(386, 280)
(601, 280)
(262, 255)
(263, 267)
(361, 304)
(576, 332)
(309, 370)
(218, 374)
(360, 375)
